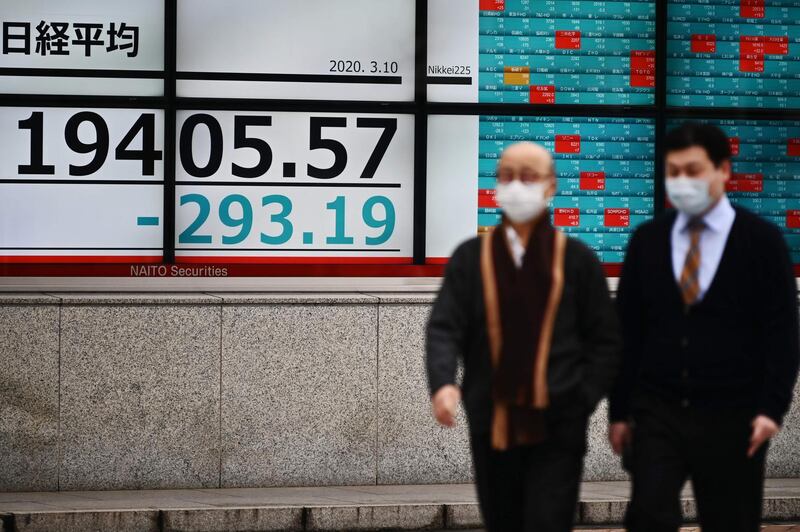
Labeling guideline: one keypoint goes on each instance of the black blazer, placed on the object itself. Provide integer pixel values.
(736, 348)
(585, 350)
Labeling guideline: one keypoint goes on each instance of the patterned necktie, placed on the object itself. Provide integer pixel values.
(690, 285)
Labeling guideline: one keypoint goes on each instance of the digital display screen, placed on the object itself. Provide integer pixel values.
(289, 126)
(554, 52)
(766, 172)
(604, 168)
(734, 53)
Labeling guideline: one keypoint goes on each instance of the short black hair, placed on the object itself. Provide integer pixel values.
(709, 137)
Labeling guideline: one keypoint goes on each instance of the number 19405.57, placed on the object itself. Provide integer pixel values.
(242, 138)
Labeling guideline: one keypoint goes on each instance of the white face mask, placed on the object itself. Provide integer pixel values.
(522, 202)
(689, 195)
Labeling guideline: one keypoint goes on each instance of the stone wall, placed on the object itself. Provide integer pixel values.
(202, 390)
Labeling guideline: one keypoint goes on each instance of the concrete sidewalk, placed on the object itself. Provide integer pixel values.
(423, 507)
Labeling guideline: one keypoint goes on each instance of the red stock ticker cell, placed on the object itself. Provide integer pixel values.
(793, 147)
(567, 217)
(793, 219)
(776, 45)
(639, 80)
(734, 143)
(746, 183)
(492, 5)
(643, 68)
(593, 180)
(752, 9)
(704, 43)
(568, 143)
(568, 40)
(751, 63)
(545, 94)
(643, 60)
(752, 45)
(487, 199)
(617, 218)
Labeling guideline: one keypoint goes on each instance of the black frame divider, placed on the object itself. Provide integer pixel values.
(170, 64)
(659, 194)
(420, 131)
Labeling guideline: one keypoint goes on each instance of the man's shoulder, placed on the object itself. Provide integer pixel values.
(579, 250)
(655, 230)
(467, 251)
(469, 245)
(754, 223)
(758, 237)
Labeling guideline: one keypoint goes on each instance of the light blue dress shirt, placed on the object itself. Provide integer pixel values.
(719, 221)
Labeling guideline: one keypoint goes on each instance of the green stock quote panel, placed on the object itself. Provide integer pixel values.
(733, 53)
(604, 168)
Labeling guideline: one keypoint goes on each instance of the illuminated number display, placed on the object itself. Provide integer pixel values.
(314, 187)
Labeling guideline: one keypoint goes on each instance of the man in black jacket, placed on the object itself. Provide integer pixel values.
(528, 311)
(708, 305)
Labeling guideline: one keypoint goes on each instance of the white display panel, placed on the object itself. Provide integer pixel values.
(452, 191)
(98, 47)
(294, 187)
(453, 50)
(296, 49)
(85, 183)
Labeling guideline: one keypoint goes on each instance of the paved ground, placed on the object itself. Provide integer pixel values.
(326, 508)
(782, 489)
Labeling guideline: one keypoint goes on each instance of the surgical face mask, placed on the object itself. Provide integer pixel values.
(689, 195)
(522, 202)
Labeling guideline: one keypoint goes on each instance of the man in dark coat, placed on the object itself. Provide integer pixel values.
(708, 305)
(528, 312)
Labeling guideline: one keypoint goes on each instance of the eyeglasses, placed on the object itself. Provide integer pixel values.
(507, 176)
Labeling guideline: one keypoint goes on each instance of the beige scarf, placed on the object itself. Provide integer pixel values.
(521, 306)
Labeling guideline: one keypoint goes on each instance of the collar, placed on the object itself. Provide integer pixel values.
(512, 235)
(516, 245)
(717, 219)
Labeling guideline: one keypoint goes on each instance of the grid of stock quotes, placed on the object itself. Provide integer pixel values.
(567, 52)
(734, 53)
(605, 174)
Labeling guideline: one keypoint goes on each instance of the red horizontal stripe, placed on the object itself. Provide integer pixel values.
(233, 270)
(86, 259)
